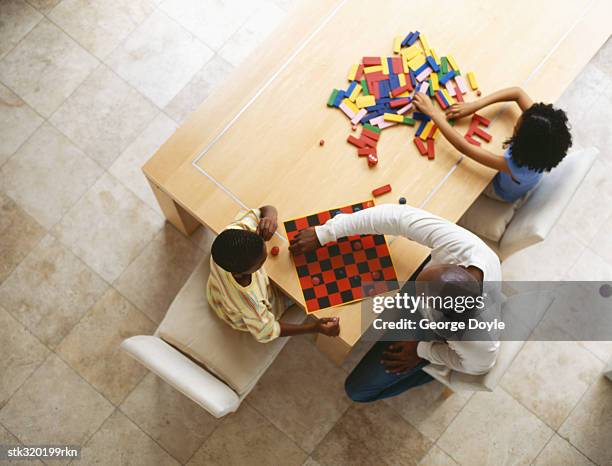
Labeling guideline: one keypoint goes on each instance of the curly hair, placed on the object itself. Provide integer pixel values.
(237, 250)
(541, 139)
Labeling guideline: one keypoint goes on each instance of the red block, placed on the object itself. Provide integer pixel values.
(374, 89)
(483, 121)
(378, 76)
(397, 65)
(400, 90)
(420, 145)
(400, 102)
(471, 140)
(368, 141)
(441, 101)
(433, 129)
(430, 149)
(382, 190)
(371, 61)
(366, 151)
(356, 142)
(483, 134)
(359, 73)
(458, 94)
(370, 134)
(372, 160)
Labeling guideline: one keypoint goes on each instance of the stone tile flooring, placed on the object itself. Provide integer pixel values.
(88, 90)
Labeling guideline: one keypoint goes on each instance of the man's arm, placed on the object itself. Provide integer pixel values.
(469, 357)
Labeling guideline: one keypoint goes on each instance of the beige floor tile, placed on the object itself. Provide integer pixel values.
(246, 437)
(287, 392)
(120, 442)
(549, 377)
(44, 6)
(155, 277)
(45, 67)
(104, 115)
(92, 347)
(128, 167)
(19, 234)
(590, 266)
(437, 457)
(50, 291)
(258, 27)
(602, 243)
(6, 438)
(601, 349)
(109, 227)
(159, 58)
(203, 238)
(543, 261)
(559, 452)
(48, 174)
(55, 406)
(198, 89)
(603, 59)
(371, 434)
(212, 21)
(169, 417)
(494, 429)
(430, 408)
(311, 462)
(20, 355)
(17, 122)
(18, 18)
(101, 25)
(589, 426)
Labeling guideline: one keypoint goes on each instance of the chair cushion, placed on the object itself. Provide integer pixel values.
(233, 356)
(488, 218)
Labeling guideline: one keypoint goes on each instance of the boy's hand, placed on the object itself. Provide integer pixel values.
(329, 326)
(460, 110)
(268, 223)
(400, 357)
(306, 240)
(424, 104)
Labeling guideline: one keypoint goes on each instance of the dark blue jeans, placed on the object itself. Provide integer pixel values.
(369, 381)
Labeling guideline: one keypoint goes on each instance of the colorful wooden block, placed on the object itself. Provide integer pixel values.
(452, 62)
(355, 93)
(430, 149)
(472, 79)
(332, 98)
(385, 65)
(381, 190)
(423, 74)
(347, 110)
(359, 116)
(397, 44)
(435, 84)
(365, 151)
(425, 131)
(356, 142)
(411, 52)
(420, 146)
(373, 69)
(353, 72)
(365, 101)
(370, 61)
(460, 80)
(350, 105)
(424, 43)
(393, 117)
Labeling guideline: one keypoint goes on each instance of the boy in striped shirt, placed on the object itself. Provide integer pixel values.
(239, 289)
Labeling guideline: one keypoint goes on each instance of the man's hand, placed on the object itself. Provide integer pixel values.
(424, 104)
(268, 222)
(460, 110)
(329, 326)
(306, 240)
(400, 357)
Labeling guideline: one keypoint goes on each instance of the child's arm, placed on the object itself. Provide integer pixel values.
(268, 222)
(510, 94)
(480, 155)
(329, 326)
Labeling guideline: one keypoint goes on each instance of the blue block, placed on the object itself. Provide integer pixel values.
(433, 64)
(420, 128)
(375, 108)
(339, 97)
(421, 68)
(420, 116)
(383, 87)
(407, 39)
(413, 39)
(444, 78)
(394, 81)
(412, 78)
(441, 94)
(384, 100)
(351, 88)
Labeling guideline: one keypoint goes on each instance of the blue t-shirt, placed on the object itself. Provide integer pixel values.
(505, 185)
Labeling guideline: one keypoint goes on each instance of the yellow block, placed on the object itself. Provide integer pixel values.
(366, 101)
(405, 66)
(350, 105)
(385, 65)
(426, 130)
(372, 69)
(411, 52)
(432, 52)
(417, 61)
(435, 85)
(353, 72)
(355, 93)
(472, 79)
(449, 99)
(393, 117)
(402, 79)
(452, 62)
(435, 134)
(424, 43)
(397, 44)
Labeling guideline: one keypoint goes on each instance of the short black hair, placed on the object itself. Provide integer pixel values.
(237, 250)
(541, 139)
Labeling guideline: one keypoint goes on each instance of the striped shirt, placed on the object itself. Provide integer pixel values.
(255, 308)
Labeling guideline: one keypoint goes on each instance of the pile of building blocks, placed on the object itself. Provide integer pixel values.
(380, 92)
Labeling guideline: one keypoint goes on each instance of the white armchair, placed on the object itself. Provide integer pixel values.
(201, 356)
(507, 230)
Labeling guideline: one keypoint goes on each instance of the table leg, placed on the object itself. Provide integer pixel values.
(175, 214)
(334, 348)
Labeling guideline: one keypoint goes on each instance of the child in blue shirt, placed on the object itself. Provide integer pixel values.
(540, 141)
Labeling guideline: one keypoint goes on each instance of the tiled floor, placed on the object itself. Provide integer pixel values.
(88, 90)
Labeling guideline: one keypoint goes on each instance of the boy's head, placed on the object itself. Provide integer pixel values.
(239, 251)
(541, 138)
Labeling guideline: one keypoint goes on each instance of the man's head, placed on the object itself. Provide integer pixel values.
(239, 251)
(541, 137)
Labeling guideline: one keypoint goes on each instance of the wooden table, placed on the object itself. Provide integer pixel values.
(256, 140)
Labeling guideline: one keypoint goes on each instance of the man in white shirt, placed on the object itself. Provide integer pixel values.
(458, 257)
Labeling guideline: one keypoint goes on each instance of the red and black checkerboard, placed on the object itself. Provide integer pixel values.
(348, 270)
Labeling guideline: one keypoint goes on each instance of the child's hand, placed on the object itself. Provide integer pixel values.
(460, 110)
(424, 104)
(268, 223)
(329, 326)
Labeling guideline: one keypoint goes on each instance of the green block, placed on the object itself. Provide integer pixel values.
(372, 128)
(430, 89)
(408, 121)
(364, 87)
(443, 65)
(332, 98)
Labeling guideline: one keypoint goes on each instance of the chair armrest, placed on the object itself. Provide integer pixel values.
(183, 374)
